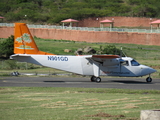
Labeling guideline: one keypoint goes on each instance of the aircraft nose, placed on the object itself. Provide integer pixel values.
(147, 70)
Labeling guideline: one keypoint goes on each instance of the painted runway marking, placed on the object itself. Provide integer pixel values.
(72, 82)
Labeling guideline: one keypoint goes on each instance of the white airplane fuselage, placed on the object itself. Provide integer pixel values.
(84, 65)
(26, 50)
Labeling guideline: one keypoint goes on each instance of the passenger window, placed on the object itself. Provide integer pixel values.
(125, 63)
(134, 63)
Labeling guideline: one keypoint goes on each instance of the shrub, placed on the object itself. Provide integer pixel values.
(110, 49)
(10, 64)
(7, 47)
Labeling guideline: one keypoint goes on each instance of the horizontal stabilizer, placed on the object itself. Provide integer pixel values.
(17, 55)
(24, 55)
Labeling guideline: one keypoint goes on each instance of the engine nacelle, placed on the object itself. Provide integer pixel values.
(111, 62)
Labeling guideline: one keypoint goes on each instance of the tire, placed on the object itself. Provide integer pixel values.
(93, 79)
(98, 79)
(149, 79)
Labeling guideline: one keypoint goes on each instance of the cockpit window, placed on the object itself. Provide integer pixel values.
(134, 63)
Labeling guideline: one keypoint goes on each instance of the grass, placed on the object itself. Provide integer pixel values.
(40, 103)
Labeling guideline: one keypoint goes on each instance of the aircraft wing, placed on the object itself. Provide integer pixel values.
(106, 56)
(102, 58)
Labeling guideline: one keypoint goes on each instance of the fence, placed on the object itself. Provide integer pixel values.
(87, 28)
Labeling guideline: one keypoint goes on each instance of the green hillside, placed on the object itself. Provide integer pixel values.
(53, 11)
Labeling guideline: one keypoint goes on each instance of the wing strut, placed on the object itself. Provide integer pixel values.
(96, 69)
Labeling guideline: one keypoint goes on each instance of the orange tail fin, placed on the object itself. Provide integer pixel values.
(24, 42)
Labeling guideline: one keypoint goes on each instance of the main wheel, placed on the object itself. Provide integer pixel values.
(98, 79)
(149, 79)
(93, 79)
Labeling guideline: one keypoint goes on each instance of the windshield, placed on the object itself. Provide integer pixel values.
(134, 63)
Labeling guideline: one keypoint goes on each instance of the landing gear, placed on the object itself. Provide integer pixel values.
(95, 79)
(98, 79)
(149, 79)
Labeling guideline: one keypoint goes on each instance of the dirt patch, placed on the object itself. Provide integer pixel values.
(130, 106)
(101, 114)
(8, 102)
(94, 99)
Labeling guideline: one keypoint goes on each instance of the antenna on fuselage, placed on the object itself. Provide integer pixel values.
(122, 53)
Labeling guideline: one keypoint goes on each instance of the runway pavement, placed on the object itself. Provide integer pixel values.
(80, 82)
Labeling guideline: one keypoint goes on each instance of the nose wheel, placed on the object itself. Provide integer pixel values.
(149, 79)
(95, 79)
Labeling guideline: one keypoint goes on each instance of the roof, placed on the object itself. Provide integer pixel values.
(70, 20)
(156, 22)
(1, 17)
(106, 21)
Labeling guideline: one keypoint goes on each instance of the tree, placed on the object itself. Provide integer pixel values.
(53, 11)
(7, 47)
(110, 49)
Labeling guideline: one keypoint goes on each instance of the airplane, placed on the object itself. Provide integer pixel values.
(26, 50)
